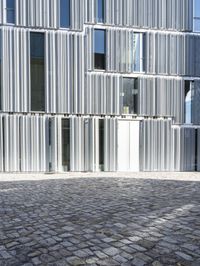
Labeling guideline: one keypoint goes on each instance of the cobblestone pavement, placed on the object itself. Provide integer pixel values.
(100, 221)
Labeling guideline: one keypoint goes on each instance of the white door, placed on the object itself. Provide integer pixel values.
(128, 145)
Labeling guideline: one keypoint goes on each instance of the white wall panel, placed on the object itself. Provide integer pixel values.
(128, 142)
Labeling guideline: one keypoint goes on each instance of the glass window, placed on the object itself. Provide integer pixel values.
(37, 71)
(66, 144)
(100, 11)
(0, 68)
(134, 55)
(10, 11)
(196, 8)
(188, 102)
(129, 96)
(196, 15)
(99, 49)
(196, 25)
(64, 13)
(101, 145)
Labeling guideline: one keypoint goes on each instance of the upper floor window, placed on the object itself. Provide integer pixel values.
(0, 68)
(100, 11)
(100, 49)
(10, 11)
(134, 54)
(64, 13)
(129, 96)
(188, 101)
(37, 61)
(196, 15)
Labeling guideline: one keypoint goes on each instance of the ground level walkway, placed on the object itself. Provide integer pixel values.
(103, 219)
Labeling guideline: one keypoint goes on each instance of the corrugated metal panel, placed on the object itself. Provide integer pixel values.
(1, 144)
(102, 94)
(183, 149)
(72, 86)
(165, 54)
(45, 14)
(110, 145)
(65, 73)
(15, 73)
(161, 14)
(155, 152)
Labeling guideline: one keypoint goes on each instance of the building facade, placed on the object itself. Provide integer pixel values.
(99, 85)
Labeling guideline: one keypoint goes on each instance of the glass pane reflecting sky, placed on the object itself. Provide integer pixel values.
(65, 13)
(100, 11)
(10, 4)
(197, 25)
(196, 8)
(99, 42)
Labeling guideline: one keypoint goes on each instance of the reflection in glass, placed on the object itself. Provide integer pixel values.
(0, 66)
(66, 144)
(196, 8)
(136, 52)
(99, 49)
(101, 144)
(129, 96)
(188, 102)
(196, 25)
(37, 71)
(100, 11)
(10, 11)
(133, 55)
(64, 13)
(196, 15)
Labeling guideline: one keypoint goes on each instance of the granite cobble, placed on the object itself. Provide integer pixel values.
(100, 221)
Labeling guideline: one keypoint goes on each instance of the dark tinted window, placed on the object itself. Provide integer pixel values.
(0, 69)
(100, 11)
(99, 49)
(129, 96)
(66, 144)
(64, 13)
(10, 11)
(101, 144)
(37, 72)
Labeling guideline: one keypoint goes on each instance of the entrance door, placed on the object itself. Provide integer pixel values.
(128, 145)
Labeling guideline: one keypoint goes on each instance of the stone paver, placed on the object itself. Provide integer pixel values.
(100, 220)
